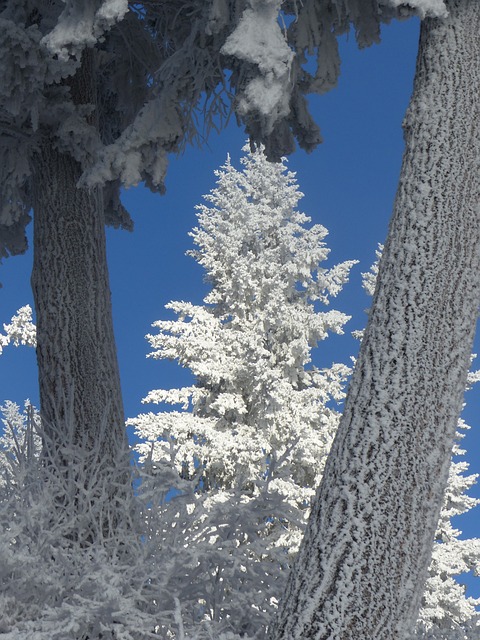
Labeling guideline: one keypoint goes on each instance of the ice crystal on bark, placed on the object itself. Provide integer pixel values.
(446, 610)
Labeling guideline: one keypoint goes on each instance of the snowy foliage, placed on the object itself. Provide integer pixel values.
(150, 69)
(258, 40)
(445, 608)
(67, 569)
(21, 330)
(430, 8)
(82, 24)
(369, 278)
(19, 443)
(244, 456)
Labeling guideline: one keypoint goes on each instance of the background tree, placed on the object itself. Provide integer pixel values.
(18, 444)
(235, 471)
(97, 94)
(445, 607)
(21, 330)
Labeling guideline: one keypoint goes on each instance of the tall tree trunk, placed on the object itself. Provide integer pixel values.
(80, 395)
(78, 371)
(361, 568)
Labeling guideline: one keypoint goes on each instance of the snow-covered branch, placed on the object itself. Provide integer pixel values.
(20, 331)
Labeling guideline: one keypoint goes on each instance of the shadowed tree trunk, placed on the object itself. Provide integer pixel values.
(78, 371)
(361, 568)
(80, 395)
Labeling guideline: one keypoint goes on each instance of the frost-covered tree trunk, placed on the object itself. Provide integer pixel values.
(362, 565)
(78, 371)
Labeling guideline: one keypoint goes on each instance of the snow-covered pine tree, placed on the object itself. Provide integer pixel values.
(247, 451)
(21, 330)
(445, 607)
(97, 93)
(18, 443)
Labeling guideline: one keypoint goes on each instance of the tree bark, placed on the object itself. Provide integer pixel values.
(78, 371)
(80, 394)
(362, 565)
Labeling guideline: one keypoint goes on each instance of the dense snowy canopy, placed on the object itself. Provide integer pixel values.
(21, 329)
(151, 71)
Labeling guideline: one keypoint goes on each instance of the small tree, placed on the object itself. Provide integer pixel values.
(21, 330)
(445, 607)
(247, 451)
(20, 444)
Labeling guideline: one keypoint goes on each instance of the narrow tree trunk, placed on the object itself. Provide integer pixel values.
(362, 565)
(80, 395)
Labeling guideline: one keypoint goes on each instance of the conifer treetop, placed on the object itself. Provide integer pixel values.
(246, 451)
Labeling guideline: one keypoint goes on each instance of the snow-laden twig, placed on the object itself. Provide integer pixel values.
(20, 331)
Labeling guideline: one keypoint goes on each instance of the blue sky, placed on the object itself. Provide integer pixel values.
(349, 184)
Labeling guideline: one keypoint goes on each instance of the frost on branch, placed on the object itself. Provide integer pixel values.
(82, 24)
(259, 41)
(21, 330)
(424, 8)
(65, 574)
(240, 461)
(20, 443)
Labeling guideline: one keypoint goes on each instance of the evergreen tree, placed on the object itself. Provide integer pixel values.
(445, 607)
(19, 444)
(94, 95)
(247, 452)
(21, 330)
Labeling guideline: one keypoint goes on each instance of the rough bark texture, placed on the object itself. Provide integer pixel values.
(75, 343)
(360, 571)
(78, 370)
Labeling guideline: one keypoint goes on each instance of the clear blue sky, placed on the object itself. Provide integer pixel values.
(349, 184)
